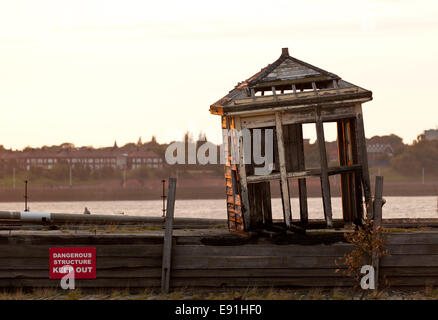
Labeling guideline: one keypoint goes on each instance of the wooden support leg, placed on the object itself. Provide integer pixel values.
(346, 158)
(302, 188)
(284, 186)
(356, 180)
(325, 183)
(242, 178)
(363, 161)
(167, 245)
(377, 206)
(345, 195)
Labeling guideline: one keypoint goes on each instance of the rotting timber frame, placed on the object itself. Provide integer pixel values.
(283, 96)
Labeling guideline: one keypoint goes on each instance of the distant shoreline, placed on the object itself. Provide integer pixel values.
(190, 192)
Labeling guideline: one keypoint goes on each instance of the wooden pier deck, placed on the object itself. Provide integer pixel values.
(211, 257)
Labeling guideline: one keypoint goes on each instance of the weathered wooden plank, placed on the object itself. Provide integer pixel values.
(264, 250)
(378, 201)
(215, 282)
(347, 210)
(356, 184)
(407, 238)
(397, 244)
(413, 281)
(121, 273)
(303, 174)
(84, 240)
(298, 117)
(103, 262)
(338, 113)
(167, 246)
(244, 193)
(416, 249)
(262, 121)
(363, 160)
(409, 261)
(282, 105)
(268, 120)
(409, 271)
(101, 273)
(377, 223)
(284, 185)
(257, 273)
(263, 282)
(115, 251)
(219, 262)
(325, 183)
(302, 188)
(82, 283)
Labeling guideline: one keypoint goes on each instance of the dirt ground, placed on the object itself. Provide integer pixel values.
(428, 293)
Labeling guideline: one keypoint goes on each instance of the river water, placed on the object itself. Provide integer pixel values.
(395, 207)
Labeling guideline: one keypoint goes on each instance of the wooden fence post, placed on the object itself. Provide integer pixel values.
(378, 201)
(167, 243)
(377, 209)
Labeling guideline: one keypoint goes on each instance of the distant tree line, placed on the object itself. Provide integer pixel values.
(408, 160)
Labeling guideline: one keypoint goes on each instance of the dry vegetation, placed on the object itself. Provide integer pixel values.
(427, 293)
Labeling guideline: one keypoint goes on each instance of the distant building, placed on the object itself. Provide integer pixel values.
(85, 157)
(431, 134)
(376, 151)
(147, 159)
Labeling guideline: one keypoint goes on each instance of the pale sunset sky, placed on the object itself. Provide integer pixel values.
(94, 71)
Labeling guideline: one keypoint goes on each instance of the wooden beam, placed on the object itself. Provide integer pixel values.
(253, 95)
(285, 196)
(302, 187)
(325, 183)
(294, 88)
(335, 85)
(304, 174)
(315, 89)
(357, 185)
(242, 178)
(346, 209)
(167, 246)
(363, 160)
(283, 104)
(377, 203)
(274, 93)
(346, 147)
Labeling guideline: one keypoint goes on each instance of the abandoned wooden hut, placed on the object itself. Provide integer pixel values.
(283, 96)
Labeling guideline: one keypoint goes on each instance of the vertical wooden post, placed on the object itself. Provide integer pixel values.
(350, 185)
(284, 186)
(377, 204)
(345, 195)
(356, 180)
(363, 160)
(167, 244)
(378, 201)
(238, 143)
(302, 187)
(325, 183)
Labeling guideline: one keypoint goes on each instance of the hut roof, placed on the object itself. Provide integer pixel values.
(287, 81)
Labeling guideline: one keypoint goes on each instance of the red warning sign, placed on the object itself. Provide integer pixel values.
(81, 259)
